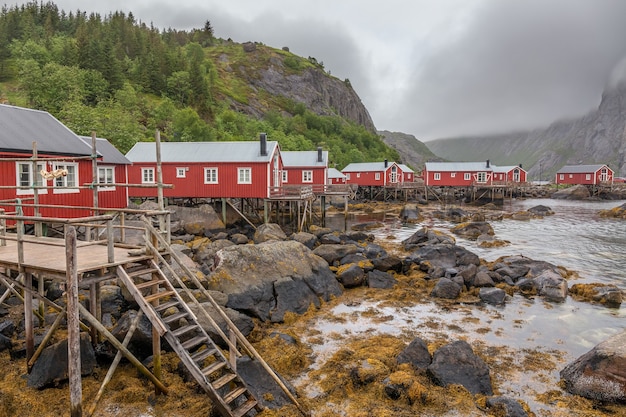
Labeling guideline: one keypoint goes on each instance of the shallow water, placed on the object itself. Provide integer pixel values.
(574, 237)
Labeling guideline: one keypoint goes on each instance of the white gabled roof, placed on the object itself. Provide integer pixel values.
(335, 173)
(367, 166)
(110, 154)
(507, 168)
(457, 166)
(304, 159)
(580, 169)
(405, 168)
(248, 151)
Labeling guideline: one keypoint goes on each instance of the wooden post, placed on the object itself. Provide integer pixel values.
(94, 171)
(110, 242)
(157, 138)
(35, 190)
(265, 218)
(73, 329)
(224, 210)
(42, 290)
(28, 316)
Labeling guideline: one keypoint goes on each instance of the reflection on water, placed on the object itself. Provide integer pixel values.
(574, 237)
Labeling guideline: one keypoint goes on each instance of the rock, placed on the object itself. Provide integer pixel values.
(374, 251)
(379, 279)
(268, 232)
(505, 407)
(351, 275)
(367, 226)
(354, 258)
(416, 354)
(113, 301)
(249, 273)
(541, 211)
(179, 250)
(7, 328)
(206, 251)
(367, 371)
(262, 385)
(410, 213)
(51, 367)
(307, 239)
(330, 239)
(241, 321)
(599, 374)
(332, 253)
(388, 263)
(575, 192)
(356, 236)
(472, 230)
(425, 236)
(608, 295)
(196, 220)
(552, 286)
(444, 256)
(141, 342)
(239, 239)
(494, 296)
(513, 272)
(521, 215)
(446, 288)
(5, 343)
(456, 363)
(482, 279)
(319, 231)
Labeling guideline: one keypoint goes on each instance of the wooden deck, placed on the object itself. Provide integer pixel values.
(47, 255)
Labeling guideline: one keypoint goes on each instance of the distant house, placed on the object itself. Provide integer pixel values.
(247, 169)
(460, 174)
(335, 176)
(305, 168)
(584, 174)
(61, 151)
(373, 173)
(408, 175)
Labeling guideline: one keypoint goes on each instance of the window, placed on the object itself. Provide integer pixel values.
(64, 182)
(147, 175)
(210, 175)
(25, 178)
(587, 177)
(453, 175)
(466, 176)
(481, 177)
(358, 175)
(245, 176)
(571, 175)
(377, 176)
(284, 176)
(307, 176)
(106, 175)
(181, 172)
(437, 176)
(348, 176)
(561, 176)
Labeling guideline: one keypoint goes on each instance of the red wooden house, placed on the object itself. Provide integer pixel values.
(208, 169)
(408, 175)
(335, 176)
(305, 168)
(584, 174)
(462, 174)
(373, 173)
(58, 149)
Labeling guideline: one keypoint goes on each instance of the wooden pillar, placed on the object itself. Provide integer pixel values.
(224, 211)
(28, 316)
(94, 171)
(41, 290)
(265, 214)
(73, 323)
(323, 210)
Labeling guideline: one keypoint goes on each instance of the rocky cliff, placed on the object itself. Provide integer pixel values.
(598, 137)
(412, 152)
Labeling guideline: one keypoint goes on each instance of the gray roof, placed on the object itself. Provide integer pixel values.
(335, 173)
(579, 169)
(366, 166)
(405, 168)
(507, 168)
(457, 166)
(109, 153)
(202, 152)
(303, 159)
(20, 127)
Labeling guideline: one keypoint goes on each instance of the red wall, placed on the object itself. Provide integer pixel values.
(581, 178)
(294, 175)
(447, 180)
(368, 178)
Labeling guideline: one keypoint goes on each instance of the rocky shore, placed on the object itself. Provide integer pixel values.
(276, 286)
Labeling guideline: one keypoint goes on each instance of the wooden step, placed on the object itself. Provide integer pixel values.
(185, 329)
(171, 303)
(176, 316)
(147, 284)
(142, 271)
(214, 367)
(223, 380)
(198, 357)
(234, 394)
(194, 342)
(244, 408)
(152, 297)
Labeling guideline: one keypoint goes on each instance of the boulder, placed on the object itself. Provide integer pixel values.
(141, 342)
(576, 192)
(471, 230)
(332, 253)
(113, 301)
(205, 252)
(505, 407)
(494, 296)
(51, 367)
(446, 288)
(262, 385)
(7, 328)
(388, 263)
(255, 277)
(351, 275)
(410, 213)
(541, 211)
(456, 363)
(416, 354)
(425, 236)
(482, 279)
(5, 343)
(608, 295)
(269, 232)
(443, 255)
(307, 239)
(239, 239)
(380, 279)
(180, 250)
(330, 239)
(243, 323)
(599, 374)
(551, 286)
(196, 220)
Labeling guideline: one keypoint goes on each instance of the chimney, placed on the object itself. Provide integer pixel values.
(487, 163)
(320, 157)
(263, 144)
(520, 165)
(386, 163)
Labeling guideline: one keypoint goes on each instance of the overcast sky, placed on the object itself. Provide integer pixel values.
(431, 68)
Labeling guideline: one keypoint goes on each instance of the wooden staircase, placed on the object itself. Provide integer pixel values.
(176, 323)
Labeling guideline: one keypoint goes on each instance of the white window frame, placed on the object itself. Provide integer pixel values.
(358, 175)
(103, 170)
(147, 176)
(561, 176)
(39, 180)
(587, 177)
(181, 172)
(285, 176)
(307, 177)
(244, 175)
(571, 175)
(437, 176)
(347, 176)
(467, 176)
(211, 175)
(481, 177)
(453, 175)
(377, 176)
(69, 183)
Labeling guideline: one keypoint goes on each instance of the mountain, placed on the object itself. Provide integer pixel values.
(412, 152)
(596, 138)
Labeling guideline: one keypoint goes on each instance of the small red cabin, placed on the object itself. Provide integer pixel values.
(408, 175)
(512, 173)
(464, 174)
(59, 150)
(335, 176)
(584, 174)
(208, 169)
(373, 173)
(305, 168)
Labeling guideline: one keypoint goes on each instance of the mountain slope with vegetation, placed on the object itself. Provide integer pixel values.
(413, 152)
(596, 138)
(125, 80)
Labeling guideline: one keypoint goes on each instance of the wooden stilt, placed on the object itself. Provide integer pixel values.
(73, 329)
(28, 317)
